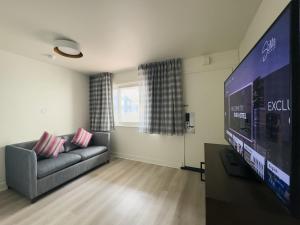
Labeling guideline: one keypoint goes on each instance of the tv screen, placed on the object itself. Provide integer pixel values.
(258, 108)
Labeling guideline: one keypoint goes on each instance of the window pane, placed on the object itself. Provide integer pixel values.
(116, 102)
(129, 104)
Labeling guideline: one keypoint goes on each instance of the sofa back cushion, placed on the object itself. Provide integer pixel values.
(82, 138)
(49, 145)
(68, 145)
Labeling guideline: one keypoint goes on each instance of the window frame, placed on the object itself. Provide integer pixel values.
(117, 87)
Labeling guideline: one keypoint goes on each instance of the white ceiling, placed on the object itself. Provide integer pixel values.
(116, 35)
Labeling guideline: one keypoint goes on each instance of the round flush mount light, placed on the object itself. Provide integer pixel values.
(67, 48)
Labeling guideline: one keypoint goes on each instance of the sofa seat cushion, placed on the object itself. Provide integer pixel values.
(89, 152)
(46, 167)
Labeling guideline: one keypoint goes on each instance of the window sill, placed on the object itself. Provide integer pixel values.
(130, 125)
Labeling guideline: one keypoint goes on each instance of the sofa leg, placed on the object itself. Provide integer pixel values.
(33, 200)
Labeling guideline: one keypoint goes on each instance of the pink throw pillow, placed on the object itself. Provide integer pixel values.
(49, 145)
(82, 138)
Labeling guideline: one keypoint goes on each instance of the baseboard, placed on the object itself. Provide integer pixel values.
(3, 186)
(147, 160)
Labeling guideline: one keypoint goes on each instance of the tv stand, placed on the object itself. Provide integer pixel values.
(234, 165)
(231, 200)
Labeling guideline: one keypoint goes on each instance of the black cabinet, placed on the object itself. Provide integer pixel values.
(237, 201)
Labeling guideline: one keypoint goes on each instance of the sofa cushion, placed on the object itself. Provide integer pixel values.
(82, 138)
(49, 145)
(89, 152)
(46, 167)
(69, 146)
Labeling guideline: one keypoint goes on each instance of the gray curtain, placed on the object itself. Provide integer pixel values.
(162, 110)
(101, 106)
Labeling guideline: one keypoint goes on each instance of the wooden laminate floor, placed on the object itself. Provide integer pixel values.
(122, 192)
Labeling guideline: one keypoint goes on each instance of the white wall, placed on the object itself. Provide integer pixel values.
(266, 14)
(203, 93)
(34, 97)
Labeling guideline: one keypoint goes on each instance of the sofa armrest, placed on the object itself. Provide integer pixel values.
(21, 170)
(102, 139)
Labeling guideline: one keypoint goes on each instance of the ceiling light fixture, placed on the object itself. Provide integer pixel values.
(67, 48)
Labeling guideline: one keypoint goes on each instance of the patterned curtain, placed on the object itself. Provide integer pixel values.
(101, 106)
(162, 110)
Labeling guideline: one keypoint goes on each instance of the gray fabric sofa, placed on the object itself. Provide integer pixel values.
(33, 176)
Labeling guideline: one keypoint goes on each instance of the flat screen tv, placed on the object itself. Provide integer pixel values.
(261, 108)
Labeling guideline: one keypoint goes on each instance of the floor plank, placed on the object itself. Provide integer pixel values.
(122, 192)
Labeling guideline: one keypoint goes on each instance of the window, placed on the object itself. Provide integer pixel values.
(126, 104)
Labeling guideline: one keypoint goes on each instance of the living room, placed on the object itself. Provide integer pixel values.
(109, 109)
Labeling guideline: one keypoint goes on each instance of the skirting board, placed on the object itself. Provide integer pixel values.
(3, 186)
(147, 160)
